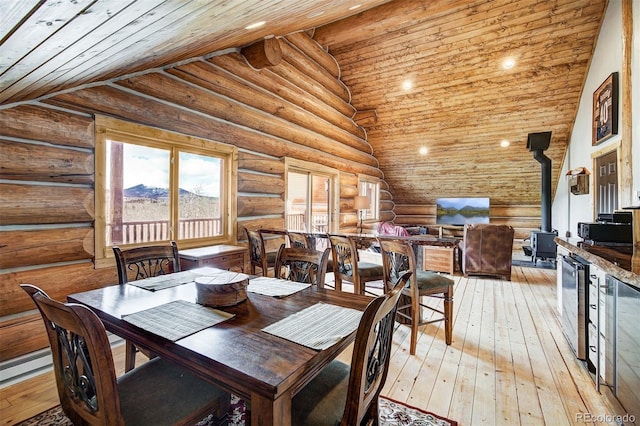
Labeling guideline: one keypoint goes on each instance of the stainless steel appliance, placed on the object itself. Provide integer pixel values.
(574, 303)
(622, 354)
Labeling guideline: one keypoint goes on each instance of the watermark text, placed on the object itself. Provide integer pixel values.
(605, 418)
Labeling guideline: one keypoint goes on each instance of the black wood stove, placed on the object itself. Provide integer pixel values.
(542, 244)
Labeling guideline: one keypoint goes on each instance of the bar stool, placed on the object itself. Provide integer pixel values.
(348, 267)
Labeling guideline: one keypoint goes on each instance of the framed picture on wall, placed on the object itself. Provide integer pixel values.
(605, 110)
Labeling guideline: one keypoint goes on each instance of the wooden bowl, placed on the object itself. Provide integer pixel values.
(224, 289)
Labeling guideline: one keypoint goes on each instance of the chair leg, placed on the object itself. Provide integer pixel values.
(129, 356)
(415, 323)
(373, 418)
(448, 315)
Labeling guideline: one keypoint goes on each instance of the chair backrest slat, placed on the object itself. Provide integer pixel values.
(257, 251)
(397, 258)
(301, 239)
(302, 265)
(345, 257)
(146, 262)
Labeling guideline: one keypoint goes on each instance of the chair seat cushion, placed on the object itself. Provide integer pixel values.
(181, 392)
(322, 401)
(428, 280)
(368, 270)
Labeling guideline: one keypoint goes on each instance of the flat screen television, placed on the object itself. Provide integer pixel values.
(460, 211)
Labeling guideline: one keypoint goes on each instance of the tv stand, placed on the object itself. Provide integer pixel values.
(454, 231)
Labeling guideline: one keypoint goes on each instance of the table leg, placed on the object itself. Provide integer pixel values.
(265, 411)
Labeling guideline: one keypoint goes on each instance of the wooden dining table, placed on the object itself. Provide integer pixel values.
(236, 354)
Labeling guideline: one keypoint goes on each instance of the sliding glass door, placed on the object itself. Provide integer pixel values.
(309, 196)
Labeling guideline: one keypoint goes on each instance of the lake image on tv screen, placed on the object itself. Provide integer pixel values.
(459, 211)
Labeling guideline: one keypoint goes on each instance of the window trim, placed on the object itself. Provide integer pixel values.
(111, 128)
(375, 203)
(295, 165)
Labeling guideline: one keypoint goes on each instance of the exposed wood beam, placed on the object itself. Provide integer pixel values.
(264, 53)
(626, 168)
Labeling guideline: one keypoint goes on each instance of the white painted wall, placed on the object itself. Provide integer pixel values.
(569, 209)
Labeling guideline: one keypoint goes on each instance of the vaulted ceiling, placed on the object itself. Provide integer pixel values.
(458, 105)
(462, 103)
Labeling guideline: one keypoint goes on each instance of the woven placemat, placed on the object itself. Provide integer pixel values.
(176, 320)
(317, 327)
(275, 286)
(173, 280)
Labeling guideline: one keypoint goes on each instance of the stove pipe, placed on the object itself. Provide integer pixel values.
(538, 142)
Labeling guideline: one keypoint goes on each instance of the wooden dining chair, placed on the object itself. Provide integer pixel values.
(348, 394)
(144, 262)
(258, 255)
(398, 257)
(157, 392)
(300, 239)
(302, 265)
(348, 267)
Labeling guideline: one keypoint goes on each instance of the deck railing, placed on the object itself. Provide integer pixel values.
(297, 222)
(146, 231)
(158, 230)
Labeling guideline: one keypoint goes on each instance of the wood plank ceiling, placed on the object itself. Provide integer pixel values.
(461, 105)
(48, 45)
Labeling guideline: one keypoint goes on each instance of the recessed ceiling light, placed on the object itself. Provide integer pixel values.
(508, 63)
(423, 150)
(255, 25)
(504, 143)
(355, 6)
(407, 84)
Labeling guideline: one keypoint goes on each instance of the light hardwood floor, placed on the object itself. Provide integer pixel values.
(509, 363)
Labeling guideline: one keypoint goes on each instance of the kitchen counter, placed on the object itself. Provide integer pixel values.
(615, 261)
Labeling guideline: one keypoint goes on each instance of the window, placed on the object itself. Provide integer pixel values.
(370, 187)
(310, 197)
(153, 186)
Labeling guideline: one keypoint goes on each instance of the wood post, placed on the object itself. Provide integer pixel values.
(626, 143)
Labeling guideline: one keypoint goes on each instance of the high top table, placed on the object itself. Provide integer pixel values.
(437, 253)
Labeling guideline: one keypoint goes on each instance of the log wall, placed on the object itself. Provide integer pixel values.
(523, 218)
(297, 108)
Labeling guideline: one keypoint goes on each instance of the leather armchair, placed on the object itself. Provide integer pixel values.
(487, 249)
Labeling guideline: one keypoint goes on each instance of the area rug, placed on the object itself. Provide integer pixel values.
(392, 413)
(55, 416)
(395, 413)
